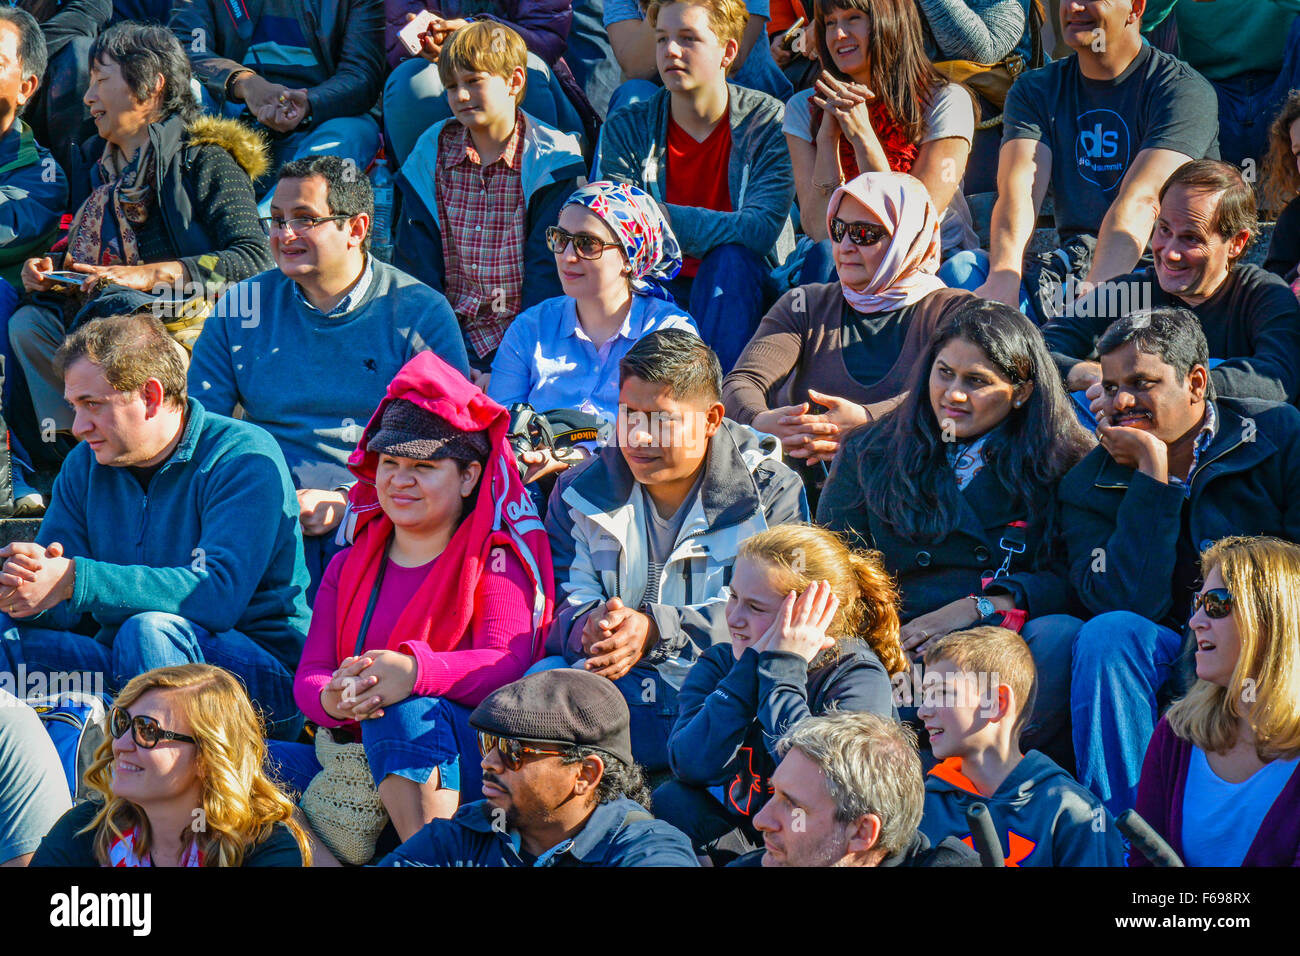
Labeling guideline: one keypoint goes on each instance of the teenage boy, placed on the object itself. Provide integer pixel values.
(1250, 317)
(1176, 469)
(481, 189)
(331, 313)
(713, 155)
(644, 536)
(979, 691)
(1105, 128)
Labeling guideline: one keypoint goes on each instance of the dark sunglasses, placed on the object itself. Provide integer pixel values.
(860, 233)
(512, 751)
(1216, 601)
(146, 731)
(588, 247)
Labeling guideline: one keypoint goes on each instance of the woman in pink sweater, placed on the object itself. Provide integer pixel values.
(442, 598)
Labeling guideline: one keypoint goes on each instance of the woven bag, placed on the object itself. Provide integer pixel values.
(341, 802)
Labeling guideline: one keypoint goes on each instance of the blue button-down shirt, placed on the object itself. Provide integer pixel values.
(349, 301)
(549, 361)
(1203, 440)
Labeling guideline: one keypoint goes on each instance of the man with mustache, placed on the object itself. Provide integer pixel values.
(1177, 469)
(560, 787)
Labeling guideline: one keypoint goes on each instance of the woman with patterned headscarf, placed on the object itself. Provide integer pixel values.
(612, 249)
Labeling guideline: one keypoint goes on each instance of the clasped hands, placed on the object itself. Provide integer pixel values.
(33, 578)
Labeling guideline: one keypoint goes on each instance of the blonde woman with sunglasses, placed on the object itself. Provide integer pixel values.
(1221, 779)
(182, 783)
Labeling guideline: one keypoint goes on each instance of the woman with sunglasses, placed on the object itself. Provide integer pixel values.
(612, 248)
(1221, 778)
(181, 783)
(957, 488)
(847, 346)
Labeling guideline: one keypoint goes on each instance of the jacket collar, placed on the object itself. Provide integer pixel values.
(592, 840)
(18, 147)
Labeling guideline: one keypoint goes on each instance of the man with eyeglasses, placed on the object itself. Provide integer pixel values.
(560, 786)
(1178, 468)
(308, 350)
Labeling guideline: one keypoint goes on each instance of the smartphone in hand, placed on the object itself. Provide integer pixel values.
(410, 34)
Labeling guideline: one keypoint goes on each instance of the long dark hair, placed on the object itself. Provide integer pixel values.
(1028, 454)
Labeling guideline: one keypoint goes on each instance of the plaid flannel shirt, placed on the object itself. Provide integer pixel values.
(483, 216)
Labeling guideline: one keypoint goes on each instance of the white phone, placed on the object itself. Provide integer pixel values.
(410, 34)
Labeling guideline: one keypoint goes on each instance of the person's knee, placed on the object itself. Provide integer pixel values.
(153, 639)
(965, 270)
(554, 662)
(30, 329)
(1112, 637)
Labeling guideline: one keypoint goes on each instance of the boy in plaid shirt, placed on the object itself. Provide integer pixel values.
(480, 190)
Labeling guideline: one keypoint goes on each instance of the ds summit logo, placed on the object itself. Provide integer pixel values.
(1102, 149)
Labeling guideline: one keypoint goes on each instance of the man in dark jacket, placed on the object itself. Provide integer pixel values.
(307, 72)
(849, 792)
(1176, 470)
(1250, 317)
(559, 784)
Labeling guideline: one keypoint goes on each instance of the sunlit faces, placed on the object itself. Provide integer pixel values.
(847, 35)
(310, 252)
(662, 438)
(480, 99)
(117, 114)
(798, 823)
(424, 495)
(1295, 142)
(1090, 24)
(857, 265)
(689, 54)
(590, 278)
(969, 395)
(957, 708)
(1140, 391)
(118, 426)
(1218, 644)
(167, 772)
(530, 795)
(14, 91)
(753, 604)
(1191, 258)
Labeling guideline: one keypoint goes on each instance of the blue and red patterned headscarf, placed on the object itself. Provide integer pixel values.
(634, 218)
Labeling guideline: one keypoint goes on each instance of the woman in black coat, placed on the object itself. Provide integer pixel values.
(957, 490)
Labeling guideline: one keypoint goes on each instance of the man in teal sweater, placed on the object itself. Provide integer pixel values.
(174, 529)
(308, 349)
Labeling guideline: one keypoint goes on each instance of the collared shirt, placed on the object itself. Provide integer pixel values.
(349, 302)
(1203, 440)
(967, 460)
(483, 217)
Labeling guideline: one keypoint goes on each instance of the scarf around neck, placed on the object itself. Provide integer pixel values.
(103, 232)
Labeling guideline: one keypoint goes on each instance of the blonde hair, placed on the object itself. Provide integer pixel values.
(727, 18)
(1263, 576)
(484, 46)
(801, 554)
(241, 804)
(1000, 653)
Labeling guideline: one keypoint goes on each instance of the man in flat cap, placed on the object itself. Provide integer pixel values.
(560, 787)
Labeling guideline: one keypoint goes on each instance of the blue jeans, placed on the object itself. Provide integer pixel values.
(1121, 661)
(414, 100)
(348, 137)
(725, 298)
(969, 269)
(414, 737)
(318, 551)
(1249, 101)
(651, 704)
(154, 639)
(818, 264)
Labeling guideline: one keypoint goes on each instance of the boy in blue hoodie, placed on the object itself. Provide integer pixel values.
(979, 690)
(479, 192)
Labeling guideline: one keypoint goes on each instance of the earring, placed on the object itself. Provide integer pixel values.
(1018, 404)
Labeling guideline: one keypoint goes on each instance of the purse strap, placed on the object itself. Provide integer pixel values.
(370, 604)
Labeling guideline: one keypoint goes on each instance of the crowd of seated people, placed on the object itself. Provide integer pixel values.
(874, 521)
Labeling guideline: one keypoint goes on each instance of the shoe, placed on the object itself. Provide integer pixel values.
(28, 502)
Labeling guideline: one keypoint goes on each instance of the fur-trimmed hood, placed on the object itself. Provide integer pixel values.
(248, 147)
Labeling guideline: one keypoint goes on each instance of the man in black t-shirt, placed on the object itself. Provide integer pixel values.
(1106, 127)
(1250, 317)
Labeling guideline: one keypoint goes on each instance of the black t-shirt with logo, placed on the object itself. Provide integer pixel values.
(1096, 128)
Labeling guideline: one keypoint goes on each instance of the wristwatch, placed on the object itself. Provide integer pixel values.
(983, 606)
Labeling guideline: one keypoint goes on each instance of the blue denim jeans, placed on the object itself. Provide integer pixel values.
(414, 737)
(969, 269)
(725, 298)
(154, 639)
(1249, 101)
(1121, 661)
(348, 137)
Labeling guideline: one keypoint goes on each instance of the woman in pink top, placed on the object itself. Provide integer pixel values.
(442, 598)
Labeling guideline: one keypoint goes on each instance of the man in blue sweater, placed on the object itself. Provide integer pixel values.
(309, 350)
(175, 529)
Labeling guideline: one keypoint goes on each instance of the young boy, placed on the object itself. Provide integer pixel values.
(480, 190)
(713, 155)
(979, 691)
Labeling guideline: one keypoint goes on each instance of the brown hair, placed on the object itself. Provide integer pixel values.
(998, 652)
(1235, 210)
(727, 18)
(485, 46)
(1281, 176)
(131, 349)
(901, 74)
(800, 554)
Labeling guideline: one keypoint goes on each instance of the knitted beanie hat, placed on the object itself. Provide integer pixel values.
(409, 431)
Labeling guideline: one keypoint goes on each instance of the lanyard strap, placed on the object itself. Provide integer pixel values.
(370, 605)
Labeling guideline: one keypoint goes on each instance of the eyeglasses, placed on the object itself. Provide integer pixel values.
(1216, 601)
(299, 224)
(145, 731)
(512, 751)
(588, 247)
(860, 233)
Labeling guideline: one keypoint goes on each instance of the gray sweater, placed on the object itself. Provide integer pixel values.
(634, 149)
(986, 31)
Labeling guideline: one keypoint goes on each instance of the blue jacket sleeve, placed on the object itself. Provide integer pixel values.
(716, 707)
(654, 843)
(1084, 834)
(544, 25)
(31, 199)
(211, 377)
